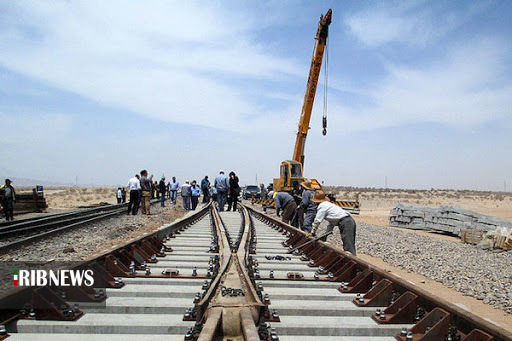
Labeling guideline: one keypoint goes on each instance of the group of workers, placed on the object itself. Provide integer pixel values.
(224, 190)
(306, 208)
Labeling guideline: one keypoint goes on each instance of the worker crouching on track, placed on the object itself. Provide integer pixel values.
(336, 216)
(308, 206)
(285, 202)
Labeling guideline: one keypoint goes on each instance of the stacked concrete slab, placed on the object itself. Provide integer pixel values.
(445, 218)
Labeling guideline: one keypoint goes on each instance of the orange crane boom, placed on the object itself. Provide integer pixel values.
(309, 96)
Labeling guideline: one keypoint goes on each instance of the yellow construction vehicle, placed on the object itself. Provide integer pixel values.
(291, 170)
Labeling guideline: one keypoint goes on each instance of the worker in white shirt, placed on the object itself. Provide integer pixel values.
(336, 216)
(173, 188)
(134, 187)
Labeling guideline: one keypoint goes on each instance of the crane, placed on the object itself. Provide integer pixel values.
(309, 96)
(291, 171)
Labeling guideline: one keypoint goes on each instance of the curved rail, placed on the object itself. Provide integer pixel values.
(325, 254)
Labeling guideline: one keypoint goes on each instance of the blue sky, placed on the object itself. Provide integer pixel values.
(419, 92)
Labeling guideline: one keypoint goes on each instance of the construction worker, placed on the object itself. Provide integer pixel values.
(205, 188)
(308, 206)
(233, 191)
(8, 198)
(336, 216)
(263, 192)
(221, 184)
(135, 195)
(186, 195)
(162, 188)
(285, 202)
(173, 188)
(146, 184)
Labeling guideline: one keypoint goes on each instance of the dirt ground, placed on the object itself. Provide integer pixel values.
(376, 203)
(375, 207)
(73, 197)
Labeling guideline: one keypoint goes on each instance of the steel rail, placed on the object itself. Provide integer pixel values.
(61, 223)
(22, 294)
(219, 317)
(463, 319)
(5, 226)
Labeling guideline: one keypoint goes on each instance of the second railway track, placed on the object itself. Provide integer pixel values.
(17, 233)
(228, 276)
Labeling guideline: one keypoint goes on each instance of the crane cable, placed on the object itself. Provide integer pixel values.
(326, 67)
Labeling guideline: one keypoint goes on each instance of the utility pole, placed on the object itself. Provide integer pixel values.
(76, 181)
(386, 181)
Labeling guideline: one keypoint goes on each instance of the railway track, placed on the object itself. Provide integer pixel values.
(236, 276)
(17, 233)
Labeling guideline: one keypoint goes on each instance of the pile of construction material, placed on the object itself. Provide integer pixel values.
(445, 218)
(30, 202)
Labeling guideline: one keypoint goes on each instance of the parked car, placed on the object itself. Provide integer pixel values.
(251, 191)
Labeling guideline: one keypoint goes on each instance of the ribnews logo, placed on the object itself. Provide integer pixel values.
(63, 278)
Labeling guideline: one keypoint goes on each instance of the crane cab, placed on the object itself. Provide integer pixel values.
(291, 174)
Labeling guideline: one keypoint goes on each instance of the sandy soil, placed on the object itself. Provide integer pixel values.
(376, 203)
(73, 197)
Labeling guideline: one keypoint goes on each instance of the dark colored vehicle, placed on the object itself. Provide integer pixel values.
(251, 191)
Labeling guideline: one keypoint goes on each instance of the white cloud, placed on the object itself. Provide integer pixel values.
(462, 89)
(414, 23)
(169, 61)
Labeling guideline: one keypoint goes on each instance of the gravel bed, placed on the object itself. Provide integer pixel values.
(83, 241)
(483, 274)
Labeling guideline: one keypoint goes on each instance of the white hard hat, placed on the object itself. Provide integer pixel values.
(221, 171)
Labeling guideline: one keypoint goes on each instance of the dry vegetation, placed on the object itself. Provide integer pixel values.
(73, 197)
(377, 202)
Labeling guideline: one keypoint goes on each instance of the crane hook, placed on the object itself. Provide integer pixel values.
(324, 124)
